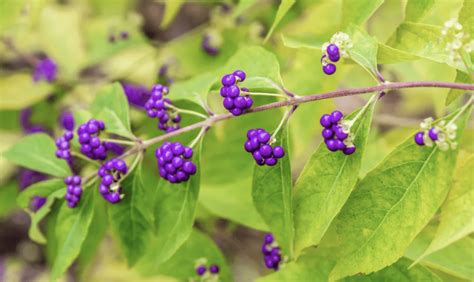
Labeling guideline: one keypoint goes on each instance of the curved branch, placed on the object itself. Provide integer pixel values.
(314, 97)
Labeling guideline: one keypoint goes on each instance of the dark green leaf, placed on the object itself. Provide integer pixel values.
(41, 189)
(175, 208)
(37, 152)
(410, 184)
(112, 106)
(34, 232)
(326, 183)
(72, 228)
(131, 219)
(271, 192)
(182, 264)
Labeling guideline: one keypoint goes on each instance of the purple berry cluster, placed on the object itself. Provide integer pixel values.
(335, 136)
(74, 190)
(66, 120)
(233, 101)
(201, 269)
(174, 162)
(111, 172)
(258, 144)
(157, 107)
(443, 134)
(63, 146)
(137, 95)
(45, 69)
(331, 56)
(271, 253)
(91, 145)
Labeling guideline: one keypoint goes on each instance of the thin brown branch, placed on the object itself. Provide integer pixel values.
(314, 97)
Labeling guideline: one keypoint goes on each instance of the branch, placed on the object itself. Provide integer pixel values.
(309, 98)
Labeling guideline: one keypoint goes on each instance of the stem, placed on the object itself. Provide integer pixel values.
(463, 109)
(80, 156)
(124, 142)
(306, 99)
(179, 110)
(362, 111)
(263, 94)
(132, 166)
(283, 121)
(199, 136)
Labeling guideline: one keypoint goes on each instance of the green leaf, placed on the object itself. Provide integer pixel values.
(41, 189)
(456, 93)
(182, 264)
(72, 228)
(325, 184)
(112, 107)
(271, 193)
(132, 220)
(422, 40)
(19, 91)
(8, 194)
(194, 89)
(172, 8)
(314, 265)
(285, 6)
(358, 12)
(57, 23)
(455, 259)
(242, 6)
(390, 55)
(416, 10)
(364, 51)
(95, 235)
(400, 272)
(37, 152)
(11, 12)
(456, 218)
(392, 204)
(175, 208)
(34, 232)
(306, 41)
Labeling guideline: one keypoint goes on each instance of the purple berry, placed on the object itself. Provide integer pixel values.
(433, 134)
(331, 145)
(336, 116)
(240, 102)
(228, 80)
(419, 138)
(325, 121)
(268, 238)
(214, 269)
(233, 91)
(340, 134)
(349, 150)
(224, 91)
(329, 69)
(327, 133)
(240, 74)
(333, 52)
(270, 161)
(278, 152)
(266, 151)
(200, 270)
(228, 103)
(236, 111)
(264, 137)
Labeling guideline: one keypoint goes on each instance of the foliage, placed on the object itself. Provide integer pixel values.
(391, 211)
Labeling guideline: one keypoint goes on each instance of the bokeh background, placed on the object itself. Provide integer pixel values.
(86, 38)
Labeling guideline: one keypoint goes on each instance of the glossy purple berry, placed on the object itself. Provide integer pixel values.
(325, 121)
(173, 162)
(214, 269)
(433, 134)
(331, 145)
(327, 133)
(333, 52)
(349, 150)
(268, 238)
(228, 80)
(240, 74)
(278, 152)
(336, 116)
(228, 103)
(329, 69)
(340, 134)
(73, 191)
(200, 270)
(111, 173)
(419, 138)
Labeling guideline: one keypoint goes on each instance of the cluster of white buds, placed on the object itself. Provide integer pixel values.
(441, 134)
(346, 128)
(456, 40)
(342, 41)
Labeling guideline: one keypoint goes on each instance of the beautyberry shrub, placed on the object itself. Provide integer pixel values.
(174, 162)
(258, 144)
